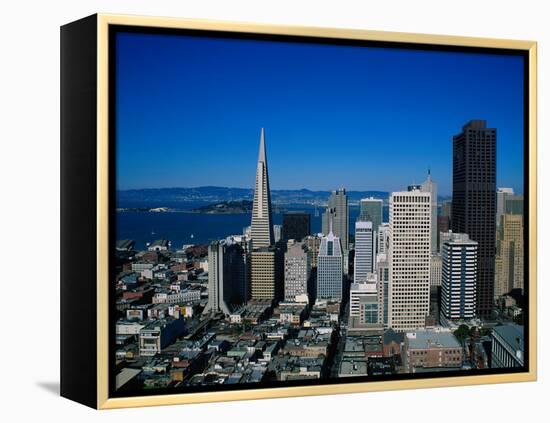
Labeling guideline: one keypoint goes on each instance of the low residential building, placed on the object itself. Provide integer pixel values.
(171, 297)
(380, 366)
(124, 327)
(158, 334)
(159, 245)
(293, 313)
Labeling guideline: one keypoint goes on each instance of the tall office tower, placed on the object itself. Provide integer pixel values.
(277, 232)
(383, 238)
(446, 209)
(513, 204)
(296, 225)
(265, 276)
(226, 276)
(338, 212)
(474, 202)
(330, 268)
(458, 282)
(326, 217)
(383, 281)
(371, 209)
(262, 225)
(509, 261)
(436, 264)
(363, 301)
(430, 186)
(313, 242)
(364, 251)
(409, 259)
(246, 244)
(297, 271)
(502, 193)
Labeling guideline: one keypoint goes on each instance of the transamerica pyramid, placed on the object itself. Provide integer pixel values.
(262, 225)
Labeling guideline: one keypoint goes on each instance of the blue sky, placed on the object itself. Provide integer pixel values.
(190, 109)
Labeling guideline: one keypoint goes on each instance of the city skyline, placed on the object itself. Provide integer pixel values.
(308, 110)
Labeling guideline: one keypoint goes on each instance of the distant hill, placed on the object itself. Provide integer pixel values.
(226, 207)
(221, 194)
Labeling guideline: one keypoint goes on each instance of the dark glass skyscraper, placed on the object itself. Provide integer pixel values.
(474, 201)
(296, 225)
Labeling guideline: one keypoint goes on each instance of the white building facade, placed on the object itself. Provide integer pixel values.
(297, 271)
(409, 259)
(364, 303)
(364, 251)
(330, 266)
(435, 270)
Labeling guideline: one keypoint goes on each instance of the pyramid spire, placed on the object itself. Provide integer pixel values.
(261, 154)
(261, 225)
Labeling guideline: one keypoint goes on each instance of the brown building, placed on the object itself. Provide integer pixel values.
(392, 343)
(432, 349)
(265, 274)
(509, 259)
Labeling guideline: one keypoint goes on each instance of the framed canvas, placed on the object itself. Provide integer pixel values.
(256, 211)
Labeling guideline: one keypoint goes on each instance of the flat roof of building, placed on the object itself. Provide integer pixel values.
(353, 368)
(429, 338)
(512, 334)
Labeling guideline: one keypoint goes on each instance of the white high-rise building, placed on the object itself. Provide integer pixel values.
(261, 228)
(430, 186)
(330, 268)
(297, 271)
(277, 232)
(458, 282)
(409, 259)
(383, 281)
(364, 251)
(435, 270)
(383, 238)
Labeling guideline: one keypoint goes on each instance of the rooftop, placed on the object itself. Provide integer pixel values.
(430, 338)
(512, 334)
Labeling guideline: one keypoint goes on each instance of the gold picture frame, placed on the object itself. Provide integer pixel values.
(102, 22)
